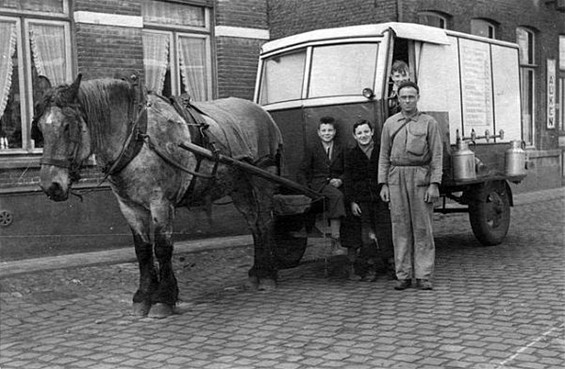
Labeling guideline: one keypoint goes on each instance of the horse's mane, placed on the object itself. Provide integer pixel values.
(99, 100)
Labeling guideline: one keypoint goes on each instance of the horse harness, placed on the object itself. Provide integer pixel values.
(138, 136)
(198, 133)
(138, 125)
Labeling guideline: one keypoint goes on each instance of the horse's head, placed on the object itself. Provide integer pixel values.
(66, 140)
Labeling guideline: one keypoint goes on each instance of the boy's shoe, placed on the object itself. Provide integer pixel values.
(390, 269)
(424, 284)
(402, 284)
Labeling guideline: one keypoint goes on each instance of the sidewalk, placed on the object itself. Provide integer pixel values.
(128, 254)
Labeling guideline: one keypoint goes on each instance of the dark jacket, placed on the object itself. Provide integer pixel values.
(316, 169)
(360, 177)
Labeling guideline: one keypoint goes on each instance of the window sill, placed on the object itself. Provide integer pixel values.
(13, 161)
(17, 160)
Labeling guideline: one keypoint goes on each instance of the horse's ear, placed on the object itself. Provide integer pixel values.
(73, 89)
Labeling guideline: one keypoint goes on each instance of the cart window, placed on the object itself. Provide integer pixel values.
(339, 70)
(282, 78)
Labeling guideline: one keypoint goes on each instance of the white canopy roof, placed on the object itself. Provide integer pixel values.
(404, 30)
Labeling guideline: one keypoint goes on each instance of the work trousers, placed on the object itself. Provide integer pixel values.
(414, 247)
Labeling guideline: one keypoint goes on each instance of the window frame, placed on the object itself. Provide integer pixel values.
(309, 94)
(23, 21)
(443, 20)
(479, 23)
(33, 13)
(208, 55)
(29, 77)
(561, 103)
(265, 88)
(528, 68)
(175, 32)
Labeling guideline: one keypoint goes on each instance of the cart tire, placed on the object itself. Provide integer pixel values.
(289, 248)
(489, 212)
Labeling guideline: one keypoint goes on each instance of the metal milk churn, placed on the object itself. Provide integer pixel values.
(463, 161)
(516, 159)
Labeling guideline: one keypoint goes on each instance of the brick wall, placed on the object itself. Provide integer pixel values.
(237, 66)
(242, 13)
(288, 17)
(237, 57)
(105, 51)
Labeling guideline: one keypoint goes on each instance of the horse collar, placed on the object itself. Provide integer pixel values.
(132, 145)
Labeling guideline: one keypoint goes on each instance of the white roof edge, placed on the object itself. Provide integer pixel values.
(414, 31)
(480, 38)
(405, 30)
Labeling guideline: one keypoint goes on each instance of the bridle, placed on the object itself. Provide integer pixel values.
(71, 162)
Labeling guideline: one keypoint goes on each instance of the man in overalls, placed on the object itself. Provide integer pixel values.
(410, 171)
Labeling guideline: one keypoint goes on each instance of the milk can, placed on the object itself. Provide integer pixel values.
(463, 161)
(516, 159)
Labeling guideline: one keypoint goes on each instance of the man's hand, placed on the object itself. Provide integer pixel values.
(336, 182)
(385, 194)
(355, 209)
(432, 193)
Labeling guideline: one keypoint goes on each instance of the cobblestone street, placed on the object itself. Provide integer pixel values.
(491, 307)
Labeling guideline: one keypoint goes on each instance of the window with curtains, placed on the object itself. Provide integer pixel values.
(526, 41)
(176, 48)
(35, 54)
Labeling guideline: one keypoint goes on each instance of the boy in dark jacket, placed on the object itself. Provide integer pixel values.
(362, 194)
(322, 171)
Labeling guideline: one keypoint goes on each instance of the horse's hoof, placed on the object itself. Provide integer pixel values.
(140, 308)
(252, 283)
(160, 311)
(267, 285)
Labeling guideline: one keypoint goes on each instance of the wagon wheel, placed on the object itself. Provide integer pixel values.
(289, 248)
(489, 212)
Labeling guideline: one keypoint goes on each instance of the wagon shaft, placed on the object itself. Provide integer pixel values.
(198, 150)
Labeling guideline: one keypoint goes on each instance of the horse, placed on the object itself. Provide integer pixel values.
(135, 138)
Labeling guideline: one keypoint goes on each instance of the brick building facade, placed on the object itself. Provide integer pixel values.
(105, 38)
(58, 39)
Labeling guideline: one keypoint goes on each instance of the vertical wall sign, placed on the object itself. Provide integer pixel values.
(551, 93)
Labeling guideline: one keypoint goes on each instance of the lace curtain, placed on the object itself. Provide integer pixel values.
(48, 46)
(193, 67)
(155, 60)
(7, 49)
